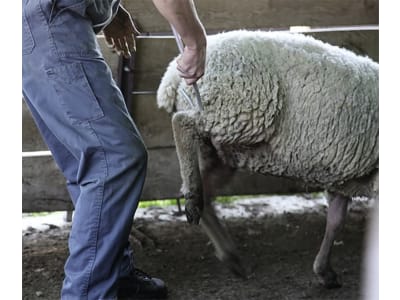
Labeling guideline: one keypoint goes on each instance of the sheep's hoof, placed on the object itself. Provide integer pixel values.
(192, 214)
(329, 279)
(234, 263)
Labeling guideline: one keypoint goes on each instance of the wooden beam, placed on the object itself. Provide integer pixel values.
(31, 138)
(43, 186)
(153, 123)
(253, 14)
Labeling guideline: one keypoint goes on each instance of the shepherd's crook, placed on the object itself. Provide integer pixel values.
(181, 47)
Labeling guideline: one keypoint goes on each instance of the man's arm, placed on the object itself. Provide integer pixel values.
(182, 15)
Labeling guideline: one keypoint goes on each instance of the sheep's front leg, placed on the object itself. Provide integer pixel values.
(186, 140)
(225, 248)
(216, 174)
(337, 211)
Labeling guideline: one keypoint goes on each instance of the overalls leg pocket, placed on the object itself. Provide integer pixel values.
(74, 92)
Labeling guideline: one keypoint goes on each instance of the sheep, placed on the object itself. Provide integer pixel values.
(280, 104)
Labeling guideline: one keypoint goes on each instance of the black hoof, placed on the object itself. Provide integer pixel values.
(234, 263)
(335, 284)
(192, 215)
(330, 280)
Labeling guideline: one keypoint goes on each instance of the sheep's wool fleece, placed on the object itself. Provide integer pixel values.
(313, 105)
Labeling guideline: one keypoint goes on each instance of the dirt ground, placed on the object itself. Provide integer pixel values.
(278, 252)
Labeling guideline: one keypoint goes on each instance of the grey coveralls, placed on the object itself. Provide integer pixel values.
(82, 116)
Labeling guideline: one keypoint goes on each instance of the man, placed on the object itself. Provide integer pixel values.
(82, 116)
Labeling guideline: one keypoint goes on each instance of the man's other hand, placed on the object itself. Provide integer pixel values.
(120, 34)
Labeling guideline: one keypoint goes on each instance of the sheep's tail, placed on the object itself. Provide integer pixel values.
(168, 90)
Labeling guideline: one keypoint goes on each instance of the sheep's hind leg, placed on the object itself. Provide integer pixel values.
(216, 174)
(186, 140)
(337, 211)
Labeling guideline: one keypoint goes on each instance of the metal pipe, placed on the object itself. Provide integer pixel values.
(181, 48)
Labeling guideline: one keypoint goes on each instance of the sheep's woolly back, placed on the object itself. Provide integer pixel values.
(316, 105)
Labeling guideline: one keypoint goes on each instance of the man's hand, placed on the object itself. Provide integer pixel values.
(121, 32)
(191, 63)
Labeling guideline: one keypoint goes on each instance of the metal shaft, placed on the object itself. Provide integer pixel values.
(181, 48)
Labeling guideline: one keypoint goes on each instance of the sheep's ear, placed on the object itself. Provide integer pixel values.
(167, 90)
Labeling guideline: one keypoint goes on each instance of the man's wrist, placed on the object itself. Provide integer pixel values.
(196, 42)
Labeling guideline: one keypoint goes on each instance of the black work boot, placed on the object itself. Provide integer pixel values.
(139, 285)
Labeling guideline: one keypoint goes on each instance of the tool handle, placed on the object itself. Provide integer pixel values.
(181, 48)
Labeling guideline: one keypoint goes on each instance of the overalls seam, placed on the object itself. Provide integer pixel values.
(98, 208)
